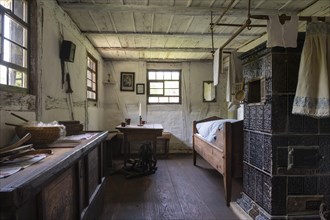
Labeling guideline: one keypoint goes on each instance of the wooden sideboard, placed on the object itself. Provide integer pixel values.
(66, 185)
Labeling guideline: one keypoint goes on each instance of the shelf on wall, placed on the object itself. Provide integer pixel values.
(109, 83)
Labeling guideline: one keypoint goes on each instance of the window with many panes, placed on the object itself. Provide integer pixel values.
(91, 78)
(164, 86)
(13, 43)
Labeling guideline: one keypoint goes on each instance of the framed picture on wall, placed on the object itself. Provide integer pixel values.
(139, 88)
(127, 81)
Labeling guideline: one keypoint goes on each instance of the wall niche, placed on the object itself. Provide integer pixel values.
(256, 91)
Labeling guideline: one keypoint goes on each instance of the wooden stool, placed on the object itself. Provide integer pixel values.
(166, 136)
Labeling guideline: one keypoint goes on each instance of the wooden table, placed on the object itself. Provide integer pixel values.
(69, 184)
(146, 132)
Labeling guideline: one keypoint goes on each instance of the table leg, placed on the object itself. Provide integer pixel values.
(125, 143)
(154, 148)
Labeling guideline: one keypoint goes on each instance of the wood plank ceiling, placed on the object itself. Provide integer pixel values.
(177, 30)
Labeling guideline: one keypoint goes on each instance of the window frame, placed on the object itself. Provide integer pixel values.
(90, 56)
(163, 80)
(27, 38)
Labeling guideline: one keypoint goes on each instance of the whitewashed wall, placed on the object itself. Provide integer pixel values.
(176, 119)
(50, 102)
(53, 95)
(113, 106)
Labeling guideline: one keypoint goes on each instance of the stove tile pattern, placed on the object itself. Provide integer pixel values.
(270, 128)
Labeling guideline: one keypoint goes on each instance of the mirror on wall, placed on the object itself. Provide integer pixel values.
(209, 92)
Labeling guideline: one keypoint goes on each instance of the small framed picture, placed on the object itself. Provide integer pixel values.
(127, 81)
(139, 88)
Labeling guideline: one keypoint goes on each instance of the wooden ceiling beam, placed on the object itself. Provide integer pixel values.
(168, 10)
(162, 34)
(179, 60)
(157, 49)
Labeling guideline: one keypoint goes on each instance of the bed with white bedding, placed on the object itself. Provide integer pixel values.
(220, 142)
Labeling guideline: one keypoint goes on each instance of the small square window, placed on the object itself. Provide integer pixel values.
(164, 87)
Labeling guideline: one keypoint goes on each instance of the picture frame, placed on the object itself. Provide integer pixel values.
(127, 81)
(140, 88)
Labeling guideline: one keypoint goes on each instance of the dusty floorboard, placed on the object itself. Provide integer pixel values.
(178, 190)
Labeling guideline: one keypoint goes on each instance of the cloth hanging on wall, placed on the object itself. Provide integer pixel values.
(217, 66)
(313, 89)
(282, 35)
(234, 77)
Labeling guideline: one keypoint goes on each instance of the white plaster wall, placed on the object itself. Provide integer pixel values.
(113, 106)
(54, 97)
(176, 119)
(50, 102)
(7, 133)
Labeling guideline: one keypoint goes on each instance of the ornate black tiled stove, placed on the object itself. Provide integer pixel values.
(286, 157)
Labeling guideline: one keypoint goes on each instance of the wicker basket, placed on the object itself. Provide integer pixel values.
(40, 135)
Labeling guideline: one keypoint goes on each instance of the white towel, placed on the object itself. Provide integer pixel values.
(282, 35)
(234, 75)
(217, 66)
(313, 89)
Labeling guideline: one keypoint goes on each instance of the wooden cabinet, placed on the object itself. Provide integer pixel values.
(65, 185)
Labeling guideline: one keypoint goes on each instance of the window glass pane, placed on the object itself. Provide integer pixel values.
(159, 75)
(153, 99)
(151, 75)
(163, 99)
(20, 9)
(17, 78)
(171, 84)
(171, 92)
(167, 75)
(175, 75)
(174, 99)
(156, 91)
(94, 78)
(15, 31)
(94, 87)
(6, 3)
(89, 75)
(91, 64)
(158, 85)
(88, 62)
(91, 95)
(14, 54)
(3, 75)
(89, 83)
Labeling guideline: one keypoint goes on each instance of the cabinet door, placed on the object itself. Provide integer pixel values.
(93, 164)
(83, 193)
(59, 198)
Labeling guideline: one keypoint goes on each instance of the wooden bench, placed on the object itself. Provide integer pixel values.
(166, 136)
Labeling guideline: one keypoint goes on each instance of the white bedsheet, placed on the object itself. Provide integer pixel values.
(208, 129)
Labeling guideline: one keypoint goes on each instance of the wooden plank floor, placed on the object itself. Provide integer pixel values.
(178, 190)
